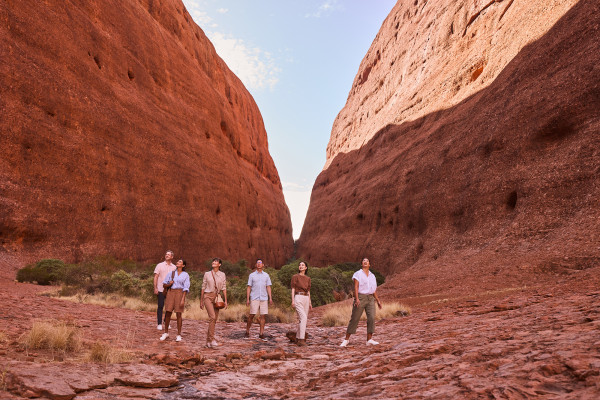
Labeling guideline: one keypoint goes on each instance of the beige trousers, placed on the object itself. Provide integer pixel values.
(302, 305)
(213, 315)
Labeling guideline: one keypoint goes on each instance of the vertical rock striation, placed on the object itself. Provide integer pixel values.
(468, 152)
(124, 133)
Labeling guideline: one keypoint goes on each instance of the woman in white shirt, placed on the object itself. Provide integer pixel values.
(365, 296)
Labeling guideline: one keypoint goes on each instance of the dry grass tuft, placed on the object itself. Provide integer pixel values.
(112, 300)
(233, 313)
(339, 314)
(277, 314)
(103, 352)
(52, 335)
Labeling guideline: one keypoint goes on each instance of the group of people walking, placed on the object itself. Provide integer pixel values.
(172, 284)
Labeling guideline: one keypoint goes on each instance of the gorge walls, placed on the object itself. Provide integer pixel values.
(124, 133)
(468, 153)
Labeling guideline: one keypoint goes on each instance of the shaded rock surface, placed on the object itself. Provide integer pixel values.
(124, 133)
(493, 186)
(540, 343)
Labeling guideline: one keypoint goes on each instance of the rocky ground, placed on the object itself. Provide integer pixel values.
(535, 342)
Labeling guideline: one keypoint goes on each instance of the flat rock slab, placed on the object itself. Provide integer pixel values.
(146, 376)
(63, 381)
(120, 392)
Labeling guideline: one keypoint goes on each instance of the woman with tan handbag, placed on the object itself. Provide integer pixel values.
(212, 284)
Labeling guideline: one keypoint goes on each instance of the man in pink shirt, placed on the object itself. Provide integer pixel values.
(160, 272)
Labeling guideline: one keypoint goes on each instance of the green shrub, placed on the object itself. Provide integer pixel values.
(44, 272)
(124, 283)
(319, 273)
(286, 272)
(282, 295)
(147, 289)
(230, 269)
(101, 284)
(195, 284)
(236, 290)
(347, 266)
(77, 274)
(321, 292)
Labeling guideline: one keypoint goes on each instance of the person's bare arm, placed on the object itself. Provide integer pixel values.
(377, 299)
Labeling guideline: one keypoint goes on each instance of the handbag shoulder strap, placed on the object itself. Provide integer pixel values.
(214, 279)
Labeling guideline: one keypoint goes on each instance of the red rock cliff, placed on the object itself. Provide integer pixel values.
(124, 133)
(468, 151)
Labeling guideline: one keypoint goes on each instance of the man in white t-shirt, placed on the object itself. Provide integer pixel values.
(160, 272)
(365, 296)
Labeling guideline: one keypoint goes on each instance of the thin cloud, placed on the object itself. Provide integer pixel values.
(325, 9)
(197, 13)
(256, 68)
(295, 187)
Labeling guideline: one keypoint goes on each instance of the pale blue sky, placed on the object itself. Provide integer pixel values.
(298, 59)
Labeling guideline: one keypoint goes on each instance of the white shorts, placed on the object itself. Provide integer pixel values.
(259, 305)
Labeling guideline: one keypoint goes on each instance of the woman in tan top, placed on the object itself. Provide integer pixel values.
(301, 300)
(212, 283)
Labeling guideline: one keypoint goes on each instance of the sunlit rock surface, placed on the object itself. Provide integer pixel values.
(124, 133)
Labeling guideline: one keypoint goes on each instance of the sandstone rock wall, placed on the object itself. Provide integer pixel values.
(474, 190)
(431, 55)
(124, 133)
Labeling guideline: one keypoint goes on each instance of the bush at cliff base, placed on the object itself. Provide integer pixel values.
(44, 272)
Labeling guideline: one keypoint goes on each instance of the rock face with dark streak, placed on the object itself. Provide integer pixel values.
(473, 190)
(124, 133)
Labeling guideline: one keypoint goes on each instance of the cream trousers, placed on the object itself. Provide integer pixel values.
(302, 306)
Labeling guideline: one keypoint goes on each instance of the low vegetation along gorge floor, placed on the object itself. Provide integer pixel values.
(538, 342)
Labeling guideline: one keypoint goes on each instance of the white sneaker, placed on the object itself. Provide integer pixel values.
(208, 345)
(178, 338)
(164, 336)
(344, 343)
(159, 327)
(214, 344)
(371, 342)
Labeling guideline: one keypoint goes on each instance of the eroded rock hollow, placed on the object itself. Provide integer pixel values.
(468, 153)
(124, 133)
